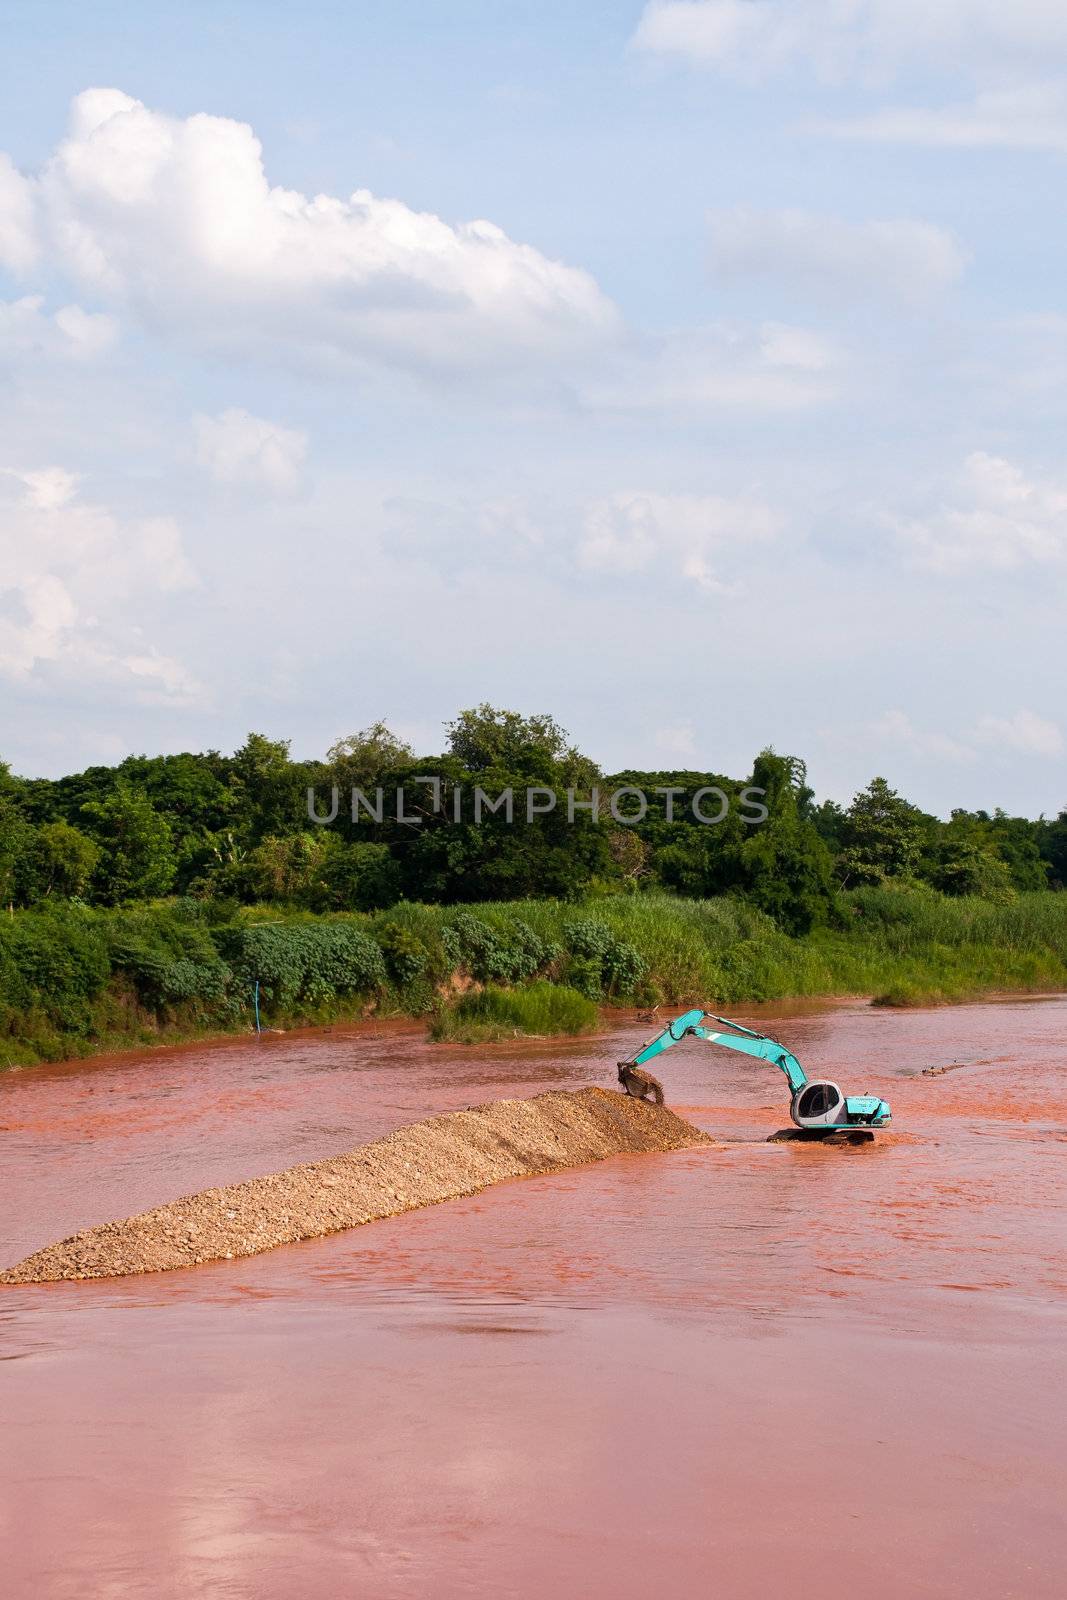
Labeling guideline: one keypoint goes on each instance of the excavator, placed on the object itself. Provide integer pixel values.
(817, 1106)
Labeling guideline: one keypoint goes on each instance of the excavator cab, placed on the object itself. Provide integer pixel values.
(822, 1105)
(816, 1105)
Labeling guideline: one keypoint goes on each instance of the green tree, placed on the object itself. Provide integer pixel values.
(269, 790)
(16, 845)
(198, 805)
(137, 859)
(360, 877)
(1052, 842)
(781, 865)
(362, 759)
(280, 867)
(829, 820)
(62, 861)
(629, 855)
(964, 866)
(883, 836)
(1017, 844)
(786, 868)
(486, 737)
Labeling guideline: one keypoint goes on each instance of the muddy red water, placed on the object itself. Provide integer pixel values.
(736, 1371)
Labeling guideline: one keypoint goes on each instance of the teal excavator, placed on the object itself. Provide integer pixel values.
(818, 1106)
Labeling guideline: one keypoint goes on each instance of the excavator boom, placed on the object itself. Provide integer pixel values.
(817, 1106)
(691, 1024)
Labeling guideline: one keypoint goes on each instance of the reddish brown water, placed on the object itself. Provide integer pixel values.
(736, 1371)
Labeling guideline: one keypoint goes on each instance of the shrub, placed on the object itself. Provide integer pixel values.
(53, 961)
(600, 961)
(307, 961)
(406, 957)
(169, 956)
(508, 953)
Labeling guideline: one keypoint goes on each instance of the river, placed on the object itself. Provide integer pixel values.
(738, 1370)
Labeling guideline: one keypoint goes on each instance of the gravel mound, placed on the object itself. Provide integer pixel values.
(420, 1165)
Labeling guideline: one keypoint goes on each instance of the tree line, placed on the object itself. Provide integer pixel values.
(235, 828)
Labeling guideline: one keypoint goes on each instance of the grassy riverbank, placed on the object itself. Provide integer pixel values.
(74, 980)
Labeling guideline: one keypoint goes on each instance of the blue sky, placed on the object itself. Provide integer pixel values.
(736, 418)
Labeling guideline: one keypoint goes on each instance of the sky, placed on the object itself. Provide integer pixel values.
(693, 371)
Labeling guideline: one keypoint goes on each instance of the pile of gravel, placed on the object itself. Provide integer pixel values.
(420, 1165)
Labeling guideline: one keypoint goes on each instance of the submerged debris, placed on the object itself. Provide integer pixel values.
(817, 1136)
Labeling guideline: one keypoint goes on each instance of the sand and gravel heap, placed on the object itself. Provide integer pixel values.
(420, 1165)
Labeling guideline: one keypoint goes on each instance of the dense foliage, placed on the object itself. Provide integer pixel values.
(155, 896)
(235, 830)
(74, 978)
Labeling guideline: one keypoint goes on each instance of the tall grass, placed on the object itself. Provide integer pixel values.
(726, 951)
(74, 980)
(542, 1009)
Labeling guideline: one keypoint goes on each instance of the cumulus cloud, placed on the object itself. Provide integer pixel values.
(830, 256)
(1023, 117)
(87, 332)
(868, 38)
(73, 575)
(238, 448)
(70, 333)
(897, 728)
(1025, 731)
(783, 346)
(502, 532)
(630, 533)
(174, 222)
(774, 367)
(678, 741)
(18, 237)
(996, 519)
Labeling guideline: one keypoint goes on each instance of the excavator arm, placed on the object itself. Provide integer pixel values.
(691, 1025)
(818, 1106)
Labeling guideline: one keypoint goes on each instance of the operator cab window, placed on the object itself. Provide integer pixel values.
(818, 1099)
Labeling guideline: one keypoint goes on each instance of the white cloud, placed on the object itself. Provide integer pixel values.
(997, 520)
(70, 333)
(866, 38)
(782, 345)
(72, 577)
(832, 257)
(722, 367)
(1022, 117)
(628, 533)
(502, 533)
(1025, 731)
(677, 741)
(897, 728)
(174, 221)
(48, 488)
(18, 241)
(238, 448)
(89, 332)
(166, 681)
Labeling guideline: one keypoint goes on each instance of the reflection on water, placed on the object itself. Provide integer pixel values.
(644, 1374)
